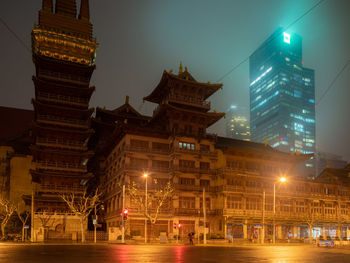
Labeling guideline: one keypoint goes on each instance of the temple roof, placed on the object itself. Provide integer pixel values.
(335, 175)
(225, 144)
(211, 117)
(125, 111)
(162, 89)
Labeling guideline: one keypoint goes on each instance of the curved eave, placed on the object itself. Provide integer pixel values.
(67, 65)
(80, 154)
(38, 174)
(161, 89)
(51, 108)
(38, 127)
(43, 85)
(211, 117)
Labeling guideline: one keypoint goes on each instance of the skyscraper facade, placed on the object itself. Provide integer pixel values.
(237, 123)
(282, 95)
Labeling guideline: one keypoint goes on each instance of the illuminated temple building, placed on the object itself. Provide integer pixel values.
(58, 148)
(173, 145)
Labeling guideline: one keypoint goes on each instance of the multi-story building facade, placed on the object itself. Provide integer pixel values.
(64, 57)
(237, 123)
(282, 95)
(237, 176)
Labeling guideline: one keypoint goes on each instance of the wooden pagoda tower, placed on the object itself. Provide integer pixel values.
(63, 52)
(182, 106)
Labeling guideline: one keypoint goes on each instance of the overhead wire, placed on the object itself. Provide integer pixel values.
(333, 82)
(15, 35)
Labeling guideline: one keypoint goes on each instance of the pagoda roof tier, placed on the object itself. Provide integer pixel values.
(50, 109)
(168, 81)
(38, 174)
(47, 65)
(210, 117)
(39, 151)
(58, 88)
(67, 133)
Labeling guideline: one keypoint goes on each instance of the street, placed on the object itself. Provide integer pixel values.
(13, 253)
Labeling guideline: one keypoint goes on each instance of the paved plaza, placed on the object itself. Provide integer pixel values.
(101, 253)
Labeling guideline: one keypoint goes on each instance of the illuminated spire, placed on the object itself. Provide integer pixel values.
(180, 68)
(47, 5)
(66, 7)
(84, 10)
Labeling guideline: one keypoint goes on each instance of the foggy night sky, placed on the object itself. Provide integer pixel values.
(138, 39)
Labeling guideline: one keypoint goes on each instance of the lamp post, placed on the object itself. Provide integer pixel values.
(95, 221)
(282, 180)
(145, 175)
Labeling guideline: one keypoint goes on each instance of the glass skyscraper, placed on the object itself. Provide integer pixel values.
(282, 95)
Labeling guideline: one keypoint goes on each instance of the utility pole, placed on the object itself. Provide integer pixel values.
(263, 220)
(205, 219)
(32, 217)
(274, 213)
(95, 222)
(123, 222)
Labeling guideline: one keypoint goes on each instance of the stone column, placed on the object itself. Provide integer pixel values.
(245, 230)
(295, 232)
(279, 232)
(324, 232)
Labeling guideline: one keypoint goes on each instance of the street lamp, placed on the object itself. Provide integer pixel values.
(145, 175)
(95, 221)
(282, 180)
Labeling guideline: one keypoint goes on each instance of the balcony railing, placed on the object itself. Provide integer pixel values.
(201, 152)
(146, 150)
(51, 165)
(197, 188)
(61, 142)
(189, 100)
(60, 188)
(186, 212)
(65, 99)
(194, 170)
(65, 121)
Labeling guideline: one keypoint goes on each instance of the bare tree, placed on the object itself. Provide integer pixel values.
(7, 208)
(24, 218)
(157, 197)
(81, 205)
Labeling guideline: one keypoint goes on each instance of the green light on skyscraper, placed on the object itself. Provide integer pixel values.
(286, 37)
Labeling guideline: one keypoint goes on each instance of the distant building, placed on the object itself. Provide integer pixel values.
(282, 95)
(325, 160)
(237, 123)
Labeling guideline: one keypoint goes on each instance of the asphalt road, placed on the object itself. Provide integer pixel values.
(153, 253)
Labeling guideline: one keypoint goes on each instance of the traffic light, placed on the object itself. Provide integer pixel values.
(175, 225)
(179, 225)
(125, 214)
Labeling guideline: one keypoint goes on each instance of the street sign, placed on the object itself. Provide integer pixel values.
(94, 221)
(258, 226)
(26, 226)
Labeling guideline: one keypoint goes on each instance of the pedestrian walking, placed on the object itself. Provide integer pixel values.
(190, 237)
